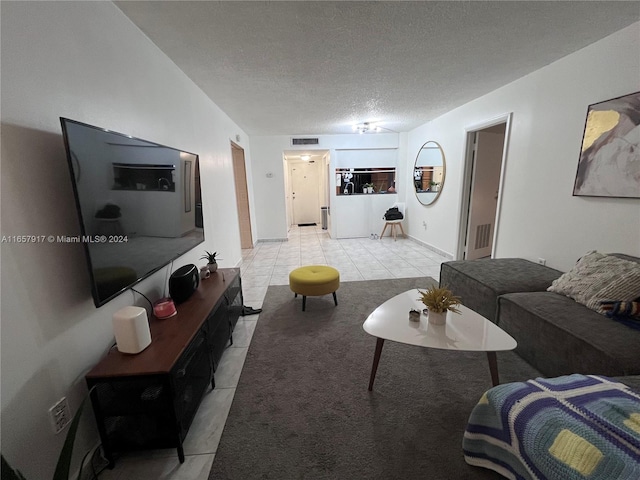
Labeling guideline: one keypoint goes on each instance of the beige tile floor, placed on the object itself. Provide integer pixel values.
(267, 264)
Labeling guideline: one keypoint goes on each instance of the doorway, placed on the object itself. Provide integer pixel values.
(242, 195)
(484, 171)
(304, 193)
(306, 186)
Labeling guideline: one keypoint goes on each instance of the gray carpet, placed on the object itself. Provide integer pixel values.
(302, 409)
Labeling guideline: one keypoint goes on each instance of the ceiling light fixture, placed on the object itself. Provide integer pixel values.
(366, 127)
(306, 158)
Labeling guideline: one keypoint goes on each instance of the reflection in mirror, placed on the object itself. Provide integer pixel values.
(140, 200)
(429, 172)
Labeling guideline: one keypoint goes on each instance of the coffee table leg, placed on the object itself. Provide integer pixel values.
(376, 360)
(493, 368)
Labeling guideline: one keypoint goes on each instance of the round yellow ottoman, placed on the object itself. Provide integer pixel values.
(314, 280)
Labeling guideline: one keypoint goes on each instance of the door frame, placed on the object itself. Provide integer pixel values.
(467, 180)
(242, 178)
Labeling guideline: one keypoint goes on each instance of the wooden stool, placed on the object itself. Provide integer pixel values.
(394, 228)
(314, 280)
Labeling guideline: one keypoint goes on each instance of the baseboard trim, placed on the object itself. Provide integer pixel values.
(432, 248)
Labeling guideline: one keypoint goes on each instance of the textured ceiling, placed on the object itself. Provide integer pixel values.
(318, 67)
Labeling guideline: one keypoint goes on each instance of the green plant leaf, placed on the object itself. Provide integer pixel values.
(64, 460)
(9, 473)
(210, 257)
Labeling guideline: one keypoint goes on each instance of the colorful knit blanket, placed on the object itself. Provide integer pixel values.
(571, 427)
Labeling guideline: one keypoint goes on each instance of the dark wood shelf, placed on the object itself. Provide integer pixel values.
(178, 365)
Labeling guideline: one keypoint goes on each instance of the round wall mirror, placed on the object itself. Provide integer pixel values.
(429, 172)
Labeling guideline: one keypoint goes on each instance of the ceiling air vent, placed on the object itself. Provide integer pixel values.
(304, 141)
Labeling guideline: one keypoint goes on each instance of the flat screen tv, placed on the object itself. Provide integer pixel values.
(139, 205)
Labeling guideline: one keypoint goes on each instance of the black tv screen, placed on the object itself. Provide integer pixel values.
(139, 205)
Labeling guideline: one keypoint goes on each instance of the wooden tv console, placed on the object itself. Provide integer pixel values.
(148, 400)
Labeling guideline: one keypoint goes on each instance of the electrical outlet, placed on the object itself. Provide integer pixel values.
(60, 415)
(542, 261)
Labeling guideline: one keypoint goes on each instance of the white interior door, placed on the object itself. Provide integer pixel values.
(485, 185)
(305, 192)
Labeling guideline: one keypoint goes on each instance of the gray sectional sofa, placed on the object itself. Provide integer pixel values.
(555, 334)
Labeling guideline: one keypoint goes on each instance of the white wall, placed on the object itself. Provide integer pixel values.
(88, 62)
(269, 192)
(540, 218)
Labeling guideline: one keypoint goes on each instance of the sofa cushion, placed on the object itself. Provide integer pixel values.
(631, 381)
(479, 282)
(558, 336)
(597, 277)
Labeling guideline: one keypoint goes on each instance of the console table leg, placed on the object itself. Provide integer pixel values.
(376, 360)
(493, 368)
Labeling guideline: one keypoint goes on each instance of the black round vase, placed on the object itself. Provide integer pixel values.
(183, 282)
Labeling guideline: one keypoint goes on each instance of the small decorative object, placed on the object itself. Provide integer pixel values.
(438, 301)
(164, 308)
(183, 283)
(414, 315)
(368, 188)
(212, 263)
(610, 144)
(131, 329)
(204, 272)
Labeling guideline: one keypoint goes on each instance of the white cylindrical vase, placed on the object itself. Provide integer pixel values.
(131, 328)
(437, 318)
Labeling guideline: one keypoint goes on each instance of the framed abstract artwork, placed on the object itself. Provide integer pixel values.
(609, 164)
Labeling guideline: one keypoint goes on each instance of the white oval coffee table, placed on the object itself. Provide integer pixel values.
(466, 331)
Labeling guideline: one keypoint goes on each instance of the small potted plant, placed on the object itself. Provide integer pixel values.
(438, 301)
(434, 186)
(212, 263)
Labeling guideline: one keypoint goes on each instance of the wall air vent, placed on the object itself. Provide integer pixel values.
(305, 141)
